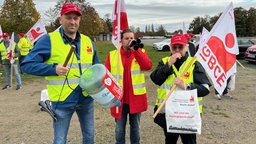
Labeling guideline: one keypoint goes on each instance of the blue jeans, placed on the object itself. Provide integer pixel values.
(134, 121)
(85, 113)
(7, 69)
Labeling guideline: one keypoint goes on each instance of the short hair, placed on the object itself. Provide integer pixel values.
(126, 31)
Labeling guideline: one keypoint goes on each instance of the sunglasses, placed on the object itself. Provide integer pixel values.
(177, 47)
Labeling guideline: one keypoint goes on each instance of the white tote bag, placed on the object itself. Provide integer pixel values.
(182, 112)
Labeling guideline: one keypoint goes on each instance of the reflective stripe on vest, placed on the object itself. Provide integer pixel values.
(4, 51)
(61, 82)
(187, 78)
(60, 87)
(137, 76)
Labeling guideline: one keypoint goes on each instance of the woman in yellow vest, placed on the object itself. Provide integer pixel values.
(129, 73)
(168, 73)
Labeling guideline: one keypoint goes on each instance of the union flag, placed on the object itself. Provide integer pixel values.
(217, 53)
(119, 21)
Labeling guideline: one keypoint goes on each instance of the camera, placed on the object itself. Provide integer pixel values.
(136, 44)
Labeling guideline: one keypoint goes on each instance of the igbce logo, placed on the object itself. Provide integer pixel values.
(108, 81)
(112, 86)
(218, 57)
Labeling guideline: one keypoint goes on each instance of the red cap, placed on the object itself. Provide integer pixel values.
(187, 35)
(179, 39)
(67, 8)
(5, 34)
(21, 34)
(191, 35)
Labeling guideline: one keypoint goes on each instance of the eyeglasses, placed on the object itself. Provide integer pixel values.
(177, 47)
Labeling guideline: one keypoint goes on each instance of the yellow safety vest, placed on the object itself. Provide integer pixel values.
(4, 51)
(138, 78)
(188, 78)
(59, 88)
(24, 46)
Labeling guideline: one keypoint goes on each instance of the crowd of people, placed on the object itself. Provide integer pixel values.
(46, 58)
(10, 58)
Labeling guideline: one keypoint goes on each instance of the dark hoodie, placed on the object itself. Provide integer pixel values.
(161, 73)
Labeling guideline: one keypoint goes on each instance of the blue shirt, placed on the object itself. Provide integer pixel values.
(34, 64)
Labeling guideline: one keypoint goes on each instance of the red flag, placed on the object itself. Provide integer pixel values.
(120, 21)
(219, 50)
(36, 31)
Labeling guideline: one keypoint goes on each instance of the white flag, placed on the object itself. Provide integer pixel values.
(10, 52)
(120, 21)
(204, 35)
(218, 53)
(36, 31)
(1, 34)
(184, 30)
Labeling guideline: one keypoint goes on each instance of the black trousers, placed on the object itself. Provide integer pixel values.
(226, 89)
(172, 138)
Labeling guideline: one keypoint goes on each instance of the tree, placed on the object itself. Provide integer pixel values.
(107, 22)
(213, 20)
(152, 28)
(252, 22)
(198, 23)
(241, 21)
(18, 15)
(137, 30)
(161, 31)
(91, 23)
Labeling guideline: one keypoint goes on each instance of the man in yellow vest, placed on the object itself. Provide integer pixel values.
(168, 73)
(24, 47)
(47, 58)
(128, 70)
(5, 61)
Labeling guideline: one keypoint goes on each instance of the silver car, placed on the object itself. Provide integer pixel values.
(163, 45)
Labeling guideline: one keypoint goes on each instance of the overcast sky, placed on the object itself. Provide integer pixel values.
(170, 13)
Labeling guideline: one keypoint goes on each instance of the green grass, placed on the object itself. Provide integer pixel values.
(103, 48)
(25, 78)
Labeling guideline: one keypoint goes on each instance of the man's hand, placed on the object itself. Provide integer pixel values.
(180, 83)
(61, 70)
(174, 58)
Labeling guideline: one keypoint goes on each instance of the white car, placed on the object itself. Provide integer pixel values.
(163, 45)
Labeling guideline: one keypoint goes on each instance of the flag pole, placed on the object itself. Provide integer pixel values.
(240, 64)
(11, 75)
(173, 88)
(118, 67)
(120, 23)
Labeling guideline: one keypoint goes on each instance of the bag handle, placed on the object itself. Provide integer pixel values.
(173, 88)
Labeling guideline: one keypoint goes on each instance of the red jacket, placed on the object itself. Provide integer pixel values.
(137, 103)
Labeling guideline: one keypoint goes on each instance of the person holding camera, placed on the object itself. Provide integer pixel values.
(127, 66)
